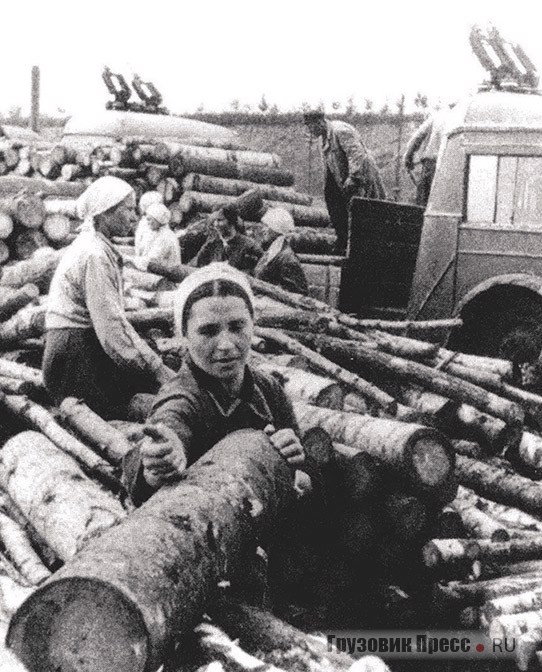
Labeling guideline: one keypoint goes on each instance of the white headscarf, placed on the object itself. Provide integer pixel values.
(279, 219)
(102, 195)
(147, 199)
(159, 212)
(217, 270)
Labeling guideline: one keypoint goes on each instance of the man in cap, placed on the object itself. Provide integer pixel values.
(350, 169)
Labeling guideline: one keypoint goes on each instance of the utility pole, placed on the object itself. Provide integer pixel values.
(35, 100)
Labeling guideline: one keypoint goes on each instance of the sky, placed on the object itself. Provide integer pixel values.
(208, 53)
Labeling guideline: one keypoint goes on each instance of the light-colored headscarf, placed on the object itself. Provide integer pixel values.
(217, 270)
(102, 195)
(159, 212)
(279, 219)
(147, 199)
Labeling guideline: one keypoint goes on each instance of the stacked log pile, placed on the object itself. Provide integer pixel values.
(192, 179)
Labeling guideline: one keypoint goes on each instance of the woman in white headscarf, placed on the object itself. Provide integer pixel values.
(91, 350)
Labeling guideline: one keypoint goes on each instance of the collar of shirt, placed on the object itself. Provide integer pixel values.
(225, 403)
(109, 246)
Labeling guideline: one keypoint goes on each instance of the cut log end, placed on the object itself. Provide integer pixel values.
(78, 624)
(432, 459)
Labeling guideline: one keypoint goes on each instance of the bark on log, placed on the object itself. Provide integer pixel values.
(19, 551)
(440, 553)
(442, 410)
(120, 602)
(414, 372)
(499, 485)
(468, 448)
(6, 225)
(219, 185)
(259, 630)
(25, 209)
(381, 399)
(61, 206)
(515, 550)
(514, 625)
(308, 240)
(508, 515)
(13, 301)
(240, 157)
(307, 386)
(15, 386)
(503, 367)
(57, 228)
(38, 270)
(111, 443)
(479, 592)
(64, 506)
(10, 185)
(513, 604)
(423, 456)
(27, 323)
(25, 242)
(181, 165)
(21, 371)
(39, 418)
(478, 523)
(493, 434)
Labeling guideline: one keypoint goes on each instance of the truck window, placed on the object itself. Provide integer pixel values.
(505, 191)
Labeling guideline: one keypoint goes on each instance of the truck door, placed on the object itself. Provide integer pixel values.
(382, 247)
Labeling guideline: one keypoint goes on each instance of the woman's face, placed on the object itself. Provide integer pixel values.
(219, 333)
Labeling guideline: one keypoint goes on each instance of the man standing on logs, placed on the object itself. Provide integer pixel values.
(350, 170)
(91, 350)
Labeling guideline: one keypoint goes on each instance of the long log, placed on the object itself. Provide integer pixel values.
(121, 601)
(503, 367)
(38, 270)
(476, 593)
(27, 323)
(513, 604)
(21, 371)
(493, 434)
(303, 215)
(421, 455)
(12, 301)
(219, 185)
(381, 399)
(240, 157)
(499, 485)
(181, 165)
(10, 185)
(414, 372)
(20, 552)
(61, 206)
(513, 625)
(64, 506)
(478, 523)
(26, 209)
(94, 430)
(310, 240)
(508, 515)
(39, 418)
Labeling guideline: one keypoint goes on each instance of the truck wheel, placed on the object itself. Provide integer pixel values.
(509, 325)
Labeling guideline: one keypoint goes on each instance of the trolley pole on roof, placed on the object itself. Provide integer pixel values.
(35, 100)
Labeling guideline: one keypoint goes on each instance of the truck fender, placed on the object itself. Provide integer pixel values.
(530, 282)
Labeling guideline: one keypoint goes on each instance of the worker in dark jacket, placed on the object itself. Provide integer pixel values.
(226, 242)
(279, 265)
(215, 392)
(350, 170)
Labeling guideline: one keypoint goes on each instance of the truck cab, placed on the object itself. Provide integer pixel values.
(476, 251)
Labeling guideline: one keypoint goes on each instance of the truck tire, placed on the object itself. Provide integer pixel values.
(502, 323)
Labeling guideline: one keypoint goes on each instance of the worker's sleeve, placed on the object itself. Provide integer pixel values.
(116, 335)
(355, 153)
(416, 141)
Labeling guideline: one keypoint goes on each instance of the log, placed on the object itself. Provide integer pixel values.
(513, 604)
(304, 215)
(305, 239)
(449, 525)
(48, 167)
(494, 435)
(6, 225)
(441, 409)
(479, 592)
(381, 399)
(499, 485)
(414, 372)
(61, 154)
(503, 367)
(38, 270)
(240, 157)
(37, 417)
(64, 506)
(157, 152)
(57, 228)
(515, 550)
(509, 516)
(181, 165)
(357, 475)
(109, 442)
(440, 553)
(154, 172)
(12, 301)
(21, 371)
(15, 386)
(123, 599)
(468, 448)
(10, 185)
(220, 185)
(10, 157)
(26, 241)
(23, 168)
(259, 630)
(421, 455)
(27, 323)
(477, 523)
(528, 453)
(4, 252)
(71, 171)
(355, 403)
(513, 625)
(307, 386)
(25, 209)
(19, 551)
(61, 206)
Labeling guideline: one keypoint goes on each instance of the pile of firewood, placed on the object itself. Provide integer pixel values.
(193, 179)
(430, 503)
